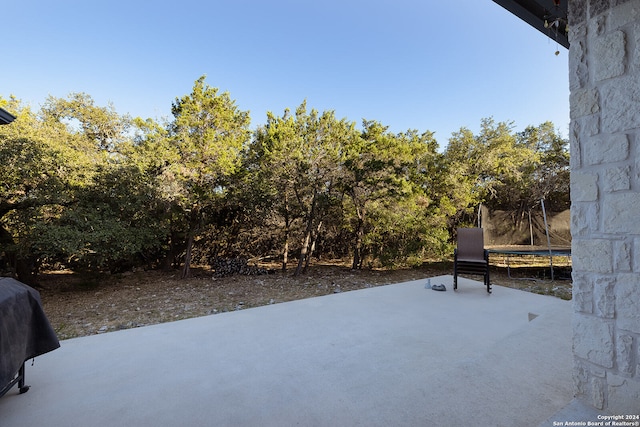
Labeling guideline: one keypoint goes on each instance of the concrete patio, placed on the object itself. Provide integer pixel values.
(397, 355)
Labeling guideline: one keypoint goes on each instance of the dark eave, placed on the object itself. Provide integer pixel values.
(538, 12)
(6, 117)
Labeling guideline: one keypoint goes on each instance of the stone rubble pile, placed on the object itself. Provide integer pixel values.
(224, 267)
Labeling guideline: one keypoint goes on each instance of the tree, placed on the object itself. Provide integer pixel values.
(478, 165)
(317, 171)
(43, 164)
(207, 133)
(103, 126)
(382, 172)
(547, 175)
(274, 156)
(301, 155)
(151, 153)
(111, 226)
(86, 187)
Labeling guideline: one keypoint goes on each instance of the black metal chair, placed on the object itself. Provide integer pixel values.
(471, 257)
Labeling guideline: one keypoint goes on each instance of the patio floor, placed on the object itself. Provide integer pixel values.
(398, 355)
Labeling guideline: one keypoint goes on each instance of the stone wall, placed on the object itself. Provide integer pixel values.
(604, 77)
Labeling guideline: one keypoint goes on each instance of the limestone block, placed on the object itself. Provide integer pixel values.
(580, 376)
(604, 297)
(636, 254)
(627, 295)
(594, 256)
(638, 358)
(584, 187)
(584, 102)
(620, 213)
(605, 149)
(582, 301)
(617, 179)
(610, 51)
(591, 125)
(619, 104)
(622, 256)
(584, 218)
(597, 393)
(578, 70)
(575, 134)
(624, 14)
(582, 290)
(623, 395)
(593, 340)
(578, 76)
(624, 353)
(577, 15)
(634, 34)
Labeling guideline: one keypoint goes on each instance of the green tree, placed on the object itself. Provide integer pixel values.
(103, 126)
(81, 197)
(151, 153)
(300, 157)
(385, 174)
(275, 156)
(112, 225)
(477, 165)
(317, 170)
(546, 173)
(43, 166)
(208, 132)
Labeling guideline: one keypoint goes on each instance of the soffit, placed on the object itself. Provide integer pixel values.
(547, 16)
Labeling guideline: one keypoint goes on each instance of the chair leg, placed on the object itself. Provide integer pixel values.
(455, 273)
(487, 277)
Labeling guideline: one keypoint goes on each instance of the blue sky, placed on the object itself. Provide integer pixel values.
(410, 64)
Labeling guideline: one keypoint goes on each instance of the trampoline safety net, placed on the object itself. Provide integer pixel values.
(509, 228)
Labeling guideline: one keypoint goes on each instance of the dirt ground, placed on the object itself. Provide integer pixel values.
(78, 305)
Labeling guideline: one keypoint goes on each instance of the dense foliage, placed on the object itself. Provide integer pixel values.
(83, 187)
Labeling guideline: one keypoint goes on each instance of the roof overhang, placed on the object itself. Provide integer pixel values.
(6, 117)
(547, 16)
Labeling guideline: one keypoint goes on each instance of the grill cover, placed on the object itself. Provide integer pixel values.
(25, 331)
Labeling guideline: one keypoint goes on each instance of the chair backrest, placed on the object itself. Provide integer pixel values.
(471, 243)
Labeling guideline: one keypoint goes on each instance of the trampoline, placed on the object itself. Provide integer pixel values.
(502, 230)
(509, 251)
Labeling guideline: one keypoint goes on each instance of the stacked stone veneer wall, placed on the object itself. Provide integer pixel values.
(604, 70)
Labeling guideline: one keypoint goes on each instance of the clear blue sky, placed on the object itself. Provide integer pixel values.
(433, 65)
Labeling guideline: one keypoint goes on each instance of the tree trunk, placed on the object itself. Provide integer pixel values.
(307, 236)
(303, 252)
(287, 232)
(285, 254)
(176, 246)
(26, 271)
(357, 250)
(194, 229)
(186, 269)
(314, 239)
